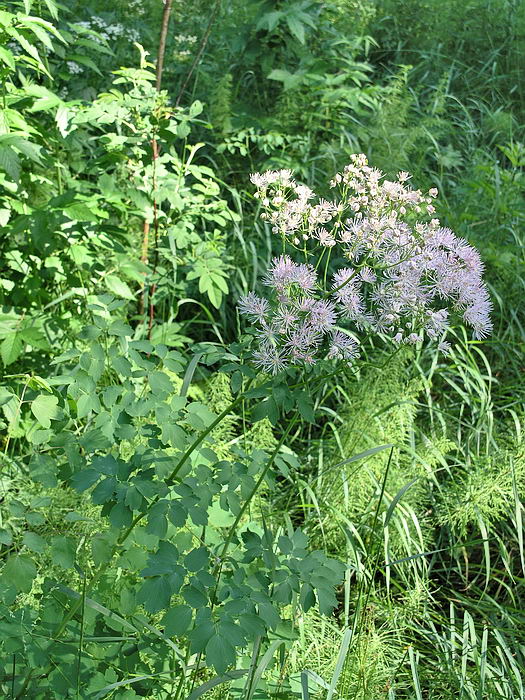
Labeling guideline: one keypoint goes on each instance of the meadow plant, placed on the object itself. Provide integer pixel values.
(374, 260)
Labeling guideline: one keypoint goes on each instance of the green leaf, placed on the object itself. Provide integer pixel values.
(121, 515)
(5, 537)
(199, 415)
(87, 403)
(19, 571)
(194, 597)
(160, 383)
(7, 58)
(163, 561)
(155, 593)
(10, 162)
(177, 514)
(105, 464)
(252, 625)
(197, 559)
(34, 542)
(289, 80)
(6, 396)
(43, 470)
(27, 148)
(118, 287)
(45, 409)
(232, 633)
(220, 653)
(177, 620)
(122, 365)
(63, 551)
(158, 523)
(104, 490)
(120, 328)
(164, 586)
(79, 211)
(94, 440)
(327, 600)
(307, 597)
(183, 130)
(305, 407)
(269, 20)
(174, 435)
(11, 348)
(101, 549)
(200, 635)
(296, 27)
(196, 108)
(84, 479)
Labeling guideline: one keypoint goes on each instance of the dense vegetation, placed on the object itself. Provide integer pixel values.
(177, 521)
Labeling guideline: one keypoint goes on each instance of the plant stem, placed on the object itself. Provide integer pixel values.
(202, 436)
(256, 488)
(359, 605)
(155, 154)
(197, 58)
(162, 41)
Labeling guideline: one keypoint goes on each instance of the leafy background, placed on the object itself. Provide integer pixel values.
(172, 525)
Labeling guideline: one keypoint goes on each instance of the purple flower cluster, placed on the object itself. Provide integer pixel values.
(404, 283)
(284, 273)
(406, 277)
(298, 326)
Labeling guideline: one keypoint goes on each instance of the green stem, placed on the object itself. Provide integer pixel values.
(359, 605)
(202, 436)
(333, 291)
(255, 489)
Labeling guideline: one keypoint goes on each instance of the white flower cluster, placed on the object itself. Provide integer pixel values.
(289, 216)
(74, 68)
(185, 43)
(288, 209)
(14, 47)
(137, 7)
(109, 32)
(185, 39)
(405, 276)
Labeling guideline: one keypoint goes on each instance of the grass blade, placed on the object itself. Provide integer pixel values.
(341, 658)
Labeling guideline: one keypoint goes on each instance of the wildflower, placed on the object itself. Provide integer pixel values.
(285, 318)
(284, 272)
(444, 347)
(305, 304)
(304, 192)
(367, 275)
(325, 238)
(306, 277)
(268, 334)
(269, 359)
(478, 316)
(344, 284)
(74, 68)
(323, 315)
(281, 273)
(258, 179)
(406, 276)
(437, 323)
(322, 213)
(254, 307)
(303, 341)
(343, 346)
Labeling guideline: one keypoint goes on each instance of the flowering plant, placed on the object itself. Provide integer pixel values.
(374, 261)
